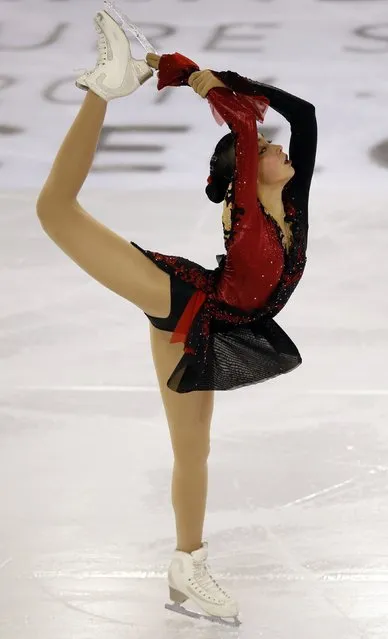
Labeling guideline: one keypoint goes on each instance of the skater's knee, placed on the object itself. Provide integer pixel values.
(192, 450)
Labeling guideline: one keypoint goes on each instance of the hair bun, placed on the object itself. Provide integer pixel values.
(222, 168)
(216, 190)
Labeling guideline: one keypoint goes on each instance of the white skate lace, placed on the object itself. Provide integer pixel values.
(101, 45)
(204, 578)
(102, 52)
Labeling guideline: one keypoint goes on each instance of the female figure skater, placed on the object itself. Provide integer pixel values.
(210, 329)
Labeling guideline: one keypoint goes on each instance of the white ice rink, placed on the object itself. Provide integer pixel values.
(297, 518)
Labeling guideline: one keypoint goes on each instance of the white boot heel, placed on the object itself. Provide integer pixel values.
(142, 70)
(177, 597)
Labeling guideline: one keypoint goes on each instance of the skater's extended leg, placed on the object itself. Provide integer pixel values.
(75, 156)
(107, 257)
(189, 418)
(115, 75)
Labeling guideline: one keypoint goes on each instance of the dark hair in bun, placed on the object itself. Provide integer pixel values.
(222, 167)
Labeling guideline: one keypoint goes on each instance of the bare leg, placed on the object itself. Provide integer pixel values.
(189, 419)
(75, 156)
(189, 496)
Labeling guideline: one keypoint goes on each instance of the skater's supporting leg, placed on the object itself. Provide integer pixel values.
(189, 495)
(189, 418)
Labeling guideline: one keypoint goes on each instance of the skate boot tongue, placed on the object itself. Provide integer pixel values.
(201, 554)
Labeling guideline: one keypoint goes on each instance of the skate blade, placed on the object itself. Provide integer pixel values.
(127, 26)
(196, 615)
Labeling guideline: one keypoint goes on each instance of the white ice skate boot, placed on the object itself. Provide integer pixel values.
(116, 74)
(189, 578)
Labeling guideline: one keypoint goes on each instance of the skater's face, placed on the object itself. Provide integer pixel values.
(272, 168)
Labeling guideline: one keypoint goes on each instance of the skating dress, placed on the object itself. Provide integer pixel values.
(224, 316)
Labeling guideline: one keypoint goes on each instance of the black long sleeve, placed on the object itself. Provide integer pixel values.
(301, 116)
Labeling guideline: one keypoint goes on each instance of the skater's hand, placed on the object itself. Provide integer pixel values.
(153, 60)
(203, 81)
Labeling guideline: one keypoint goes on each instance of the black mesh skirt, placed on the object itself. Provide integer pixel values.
(219, 354)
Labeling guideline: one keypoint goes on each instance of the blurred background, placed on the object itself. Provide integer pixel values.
(297, 510)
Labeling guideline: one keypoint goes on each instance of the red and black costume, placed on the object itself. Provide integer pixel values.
(227, 326)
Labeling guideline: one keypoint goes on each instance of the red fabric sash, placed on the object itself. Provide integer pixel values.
(187, 317)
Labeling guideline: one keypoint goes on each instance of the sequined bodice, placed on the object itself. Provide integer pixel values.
(285, 234)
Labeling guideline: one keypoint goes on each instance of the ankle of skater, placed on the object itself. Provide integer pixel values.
(188, 547)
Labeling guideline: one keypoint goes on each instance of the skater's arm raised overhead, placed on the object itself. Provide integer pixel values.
(245, 243)
(175, 70)
(301, 116)
(240, 114)
(241, 117)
